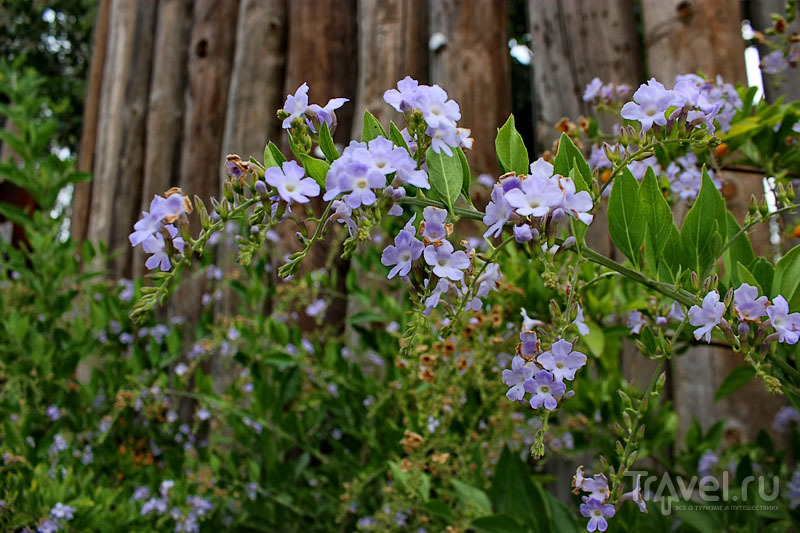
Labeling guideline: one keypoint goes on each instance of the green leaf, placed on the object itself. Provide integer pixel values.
(316, 168)
(511, 151)
(498, 523)
(440, 509)
(466, 176)
(515, 494)
(472, 497)
(273, 156)
(737, 379)
(703, 228)
(397, 136)
(14, 214)
(786, 281)
(764, 272)
(656, 212)
(740, 251)
(745, 276)
(326, 143)
(672, 258)
(446, 176)
(567, 157)
(625, 222)
(372, 128)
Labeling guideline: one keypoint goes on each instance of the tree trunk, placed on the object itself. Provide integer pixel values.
(472, 65)
(119, 152)
(573, 42)
(82, 194)
(392, 44)
(699, 36)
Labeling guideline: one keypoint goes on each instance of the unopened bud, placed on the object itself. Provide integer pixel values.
(227, 190)
(261, 189)
(753, 207)
(695, 281)
(763, 208)
(728, 297)
(790, 192)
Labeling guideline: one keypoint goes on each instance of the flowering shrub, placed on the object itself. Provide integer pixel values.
(470, 359)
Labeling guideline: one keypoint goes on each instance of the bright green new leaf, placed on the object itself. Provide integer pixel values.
(472, 497)
(625, 221)
(316, 168)
(567, 157)
(273, 156)
(446, 176)
(656, 212)
(703, 228)
(326, 143)
(397, 136)
(511, 151)
(786, 281)
(372, 128)
(465, 174)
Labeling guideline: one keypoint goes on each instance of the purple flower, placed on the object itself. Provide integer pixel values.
(159, 505)
(635, 322)
(651, 101)
(534, 196)
(405, 97)
(488, 280)
(53, 413)
(437, 109)
(561, 361)
(325, 114)
(545, 390)
(577, 204)
(706, 463)
(155, 245)
(592, 90)
(360, 180)
(523, 233)
(597, 512)
(316, 308)
(784, 417)
(516, 377)
(583, 329)
(141, 493)
(296, 105)
(787, 325)
(529, 344)
(497, 214)
(774, 62)
(47, 526)
(291, 185)
(442, 138)
(433, 300)
(62, 512)
(445, 262)
(405, 250)
(597, 487)
(707, 316)
(747, 305)
(150, 222)
(635, 496)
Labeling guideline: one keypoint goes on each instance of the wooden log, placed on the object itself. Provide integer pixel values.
(324, 53)
(119, 155)
(697, 36)
(472, 63)
(165, 106)
(392, 44)
(574, 42)
(210, 62)
(82, 194)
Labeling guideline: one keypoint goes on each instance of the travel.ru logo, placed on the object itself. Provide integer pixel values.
(678, 492)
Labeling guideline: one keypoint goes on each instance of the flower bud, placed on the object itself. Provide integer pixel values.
(790, 192)
(227, 190)
(261, 189)
(695, 281)
(763, 208)
(753, 207)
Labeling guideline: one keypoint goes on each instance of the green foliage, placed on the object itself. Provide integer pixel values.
(511, 152)
(446, 176)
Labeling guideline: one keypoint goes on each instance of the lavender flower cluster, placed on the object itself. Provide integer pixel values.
(529, 200)
(542, 374)
(452, 267)
(698, 101)
(749, 308)
(157, 224)
(439, 113)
